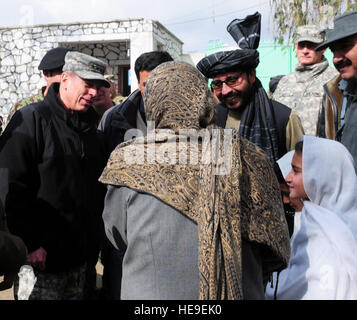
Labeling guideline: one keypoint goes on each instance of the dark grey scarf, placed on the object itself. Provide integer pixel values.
(258, 123)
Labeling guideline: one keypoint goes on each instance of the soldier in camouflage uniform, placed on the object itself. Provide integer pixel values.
(302, 90)
(51, 66)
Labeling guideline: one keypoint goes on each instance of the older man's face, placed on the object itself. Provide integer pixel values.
(306, 54)
(345, 57)
(78, 94)
(233, 89)
(102, 101)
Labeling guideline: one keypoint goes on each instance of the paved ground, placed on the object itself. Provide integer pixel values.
(8, 294)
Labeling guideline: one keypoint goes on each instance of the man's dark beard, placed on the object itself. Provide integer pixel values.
(243, 95)
(343, 63)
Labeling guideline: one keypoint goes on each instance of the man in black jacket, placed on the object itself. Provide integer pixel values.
(51, 156)
(114, 124)
(131, 113)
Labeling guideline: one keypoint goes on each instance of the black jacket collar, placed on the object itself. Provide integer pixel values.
(124, 116)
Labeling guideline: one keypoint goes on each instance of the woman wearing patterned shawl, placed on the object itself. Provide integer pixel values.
(190, 230)
(323, 264)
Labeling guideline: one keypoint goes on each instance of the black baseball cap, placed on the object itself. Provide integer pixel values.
(53, 59)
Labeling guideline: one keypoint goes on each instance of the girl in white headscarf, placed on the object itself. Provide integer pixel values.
(323, 262)
(285, 167)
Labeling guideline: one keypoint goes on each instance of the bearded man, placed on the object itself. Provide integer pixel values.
(244, 104)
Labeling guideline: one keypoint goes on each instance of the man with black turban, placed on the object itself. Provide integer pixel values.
(244, 103)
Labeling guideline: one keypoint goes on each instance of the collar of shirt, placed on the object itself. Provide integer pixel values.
(349, 88)
(315, 69)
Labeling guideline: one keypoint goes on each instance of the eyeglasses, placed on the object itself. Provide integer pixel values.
(230, 81)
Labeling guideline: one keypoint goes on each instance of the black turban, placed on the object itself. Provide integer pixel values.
(224, 61)
(246, 32)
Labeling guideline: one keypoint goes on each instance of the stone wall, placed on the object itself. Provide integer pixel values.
(22, 48)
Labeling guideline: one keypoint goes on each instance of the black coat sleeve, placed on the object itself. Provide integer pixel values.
(19, 179)
(13, 251)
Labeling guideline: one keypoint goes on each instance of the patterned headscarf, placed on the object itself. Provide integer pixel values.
(244, 203)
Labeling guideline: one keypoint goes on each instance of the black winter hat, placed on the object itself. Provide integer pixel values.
(53, 59)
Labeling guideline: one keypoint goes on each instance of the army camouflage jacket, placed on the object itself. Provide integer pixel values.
(24, 102)
(302, 91)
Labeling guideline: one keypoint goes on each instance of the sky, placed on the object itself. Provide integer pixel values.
(195, 22)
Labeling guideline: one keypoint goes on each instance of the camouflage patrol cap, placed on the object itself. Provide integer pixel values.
(310, 33)
(85, 66)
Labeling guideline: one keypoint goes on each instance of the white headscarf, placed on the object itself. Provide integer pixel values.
(285, 167)
(323, 262)
(329, 179)
(285, 163)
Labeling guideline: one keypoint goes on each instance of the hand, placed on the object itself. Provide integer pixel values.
(37, 258)
(8, 281)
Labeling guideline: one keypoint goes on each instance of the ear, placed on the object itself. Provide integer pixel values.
(252, 76)
(64, 81)
(64, 77)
